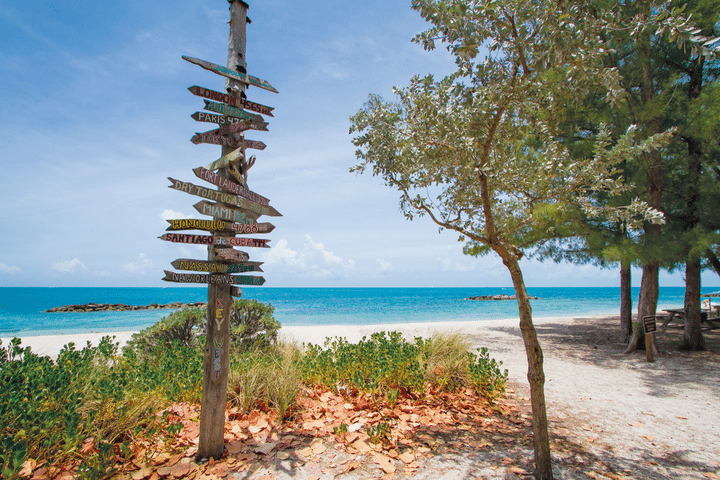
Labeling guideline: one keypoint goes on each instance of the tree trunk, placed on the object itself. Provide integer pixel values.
(692, 336)
(647, 304)
(625, 300)
(536, 375)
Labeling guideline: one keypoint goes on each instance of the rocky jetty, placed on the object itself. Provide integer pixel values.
(498, 297)
(121, 307)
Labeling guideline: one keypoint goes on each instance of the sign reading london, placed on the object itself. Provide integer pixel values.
(238, 102)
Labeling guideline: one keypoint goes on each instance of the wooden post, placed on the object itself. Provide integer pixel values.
(649, 327)
(217, 344)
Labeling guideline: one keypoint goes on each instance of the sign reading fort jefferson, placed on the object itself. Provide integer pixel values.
(228, 207)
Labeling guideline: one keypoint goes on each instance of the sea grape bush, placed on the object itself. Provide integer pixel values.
(51, 409)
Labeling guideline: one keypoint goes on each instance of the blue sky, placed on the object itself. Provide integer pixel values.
(95, 114)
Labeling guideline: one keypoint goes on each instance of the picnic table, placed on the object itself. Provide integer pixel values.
(712, 322)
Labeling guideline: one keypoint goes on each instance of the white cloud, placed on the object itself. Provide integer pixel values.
(71, 266)
(168, 214)
(314, 260)
(385, 266)
(142, 266)
(9, 268)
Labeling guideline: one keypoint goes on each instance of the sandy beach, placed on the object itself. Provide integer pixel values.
(651, 420)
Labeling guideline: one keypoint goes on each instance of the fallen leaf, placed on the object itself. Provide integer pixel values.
(144, 472)
(180, 470)
(385, 462)
(710, 475)
(407, 457)
(351, 466)
(27, 468)
(518, 471)
(681, 417)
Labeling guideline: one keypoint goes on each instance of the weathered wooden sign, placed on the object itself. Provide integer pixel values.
(213, 137)
(223, 197)
(223, 161)
(228, 73)
(229, 111)
(214, 240)
(218, 225)
(238, 102)
(231, 255)
(215, 267)
(214, 279)
(254, 144)
(222, 182)
(213, 118)
(245, 217)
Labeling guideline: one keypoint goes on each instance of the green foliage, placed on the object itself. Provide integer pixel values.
(251, 325)
(181, 326)
(387, 364)
(50, 408)
(485, 374)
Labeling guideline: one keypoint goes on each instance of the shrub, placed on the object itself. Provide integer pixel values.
(252, 325)
(181, 326)
(486, 376)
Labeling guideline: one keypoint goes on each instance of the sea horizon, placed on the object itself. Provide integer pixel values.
(22, 309)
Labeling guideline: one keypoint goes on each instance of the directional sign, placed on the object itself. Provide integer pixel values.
(245, 217)
(223, 197)
(215, 279)
(254, 144)
(213, 240)
(231, 255)
(213, 137)
(239, 125)
(229, 111)
(231, 100)
(223, 161)
(217, 225)
(226, 72)
(197, 224)
(224, 183)
(215, 267)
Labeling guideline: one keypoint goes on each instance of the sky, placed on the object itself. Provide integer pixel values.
(95, 115)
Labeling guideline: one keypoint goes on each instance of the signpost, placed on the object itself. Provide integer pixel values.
(223, 260)
(649, 326)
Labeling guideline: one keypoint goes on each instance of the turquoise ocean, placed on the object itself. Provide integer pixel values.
(22, 310)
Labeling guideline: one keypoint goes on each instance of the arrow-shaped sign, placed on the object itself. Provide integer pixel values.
(223, 161)
(231, 100)
(229, 111)
(232, 74)
(224, 183)
(214, 279)
(231, 255)
(213, 240)
(215, 267)
(223, 197)
(222, 120)
(245, 217)
(213, 137)
(218, 225)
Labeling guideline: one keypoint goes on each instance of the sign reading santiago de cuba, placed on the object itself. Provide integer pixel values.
(214, 240)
